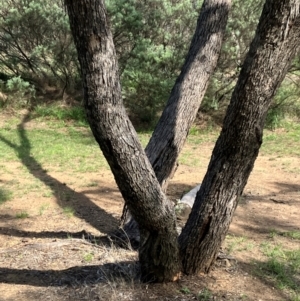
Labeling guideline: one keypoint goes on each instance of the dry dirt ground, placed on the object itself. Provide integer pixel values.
(54, 255)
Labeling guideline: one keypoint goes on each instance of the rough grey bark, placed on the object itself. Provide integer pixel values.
(186, 96)
(275, 44)
(158, 252)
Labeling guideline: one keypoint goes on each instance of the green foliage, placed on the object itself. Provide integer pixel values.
(242, 22)
(285, 104)
(19, 91)
(36, 43)
(38, 57)
(152, 39)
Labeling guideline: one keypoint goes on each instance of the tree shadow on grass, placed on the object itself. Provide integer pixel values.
(83, 206)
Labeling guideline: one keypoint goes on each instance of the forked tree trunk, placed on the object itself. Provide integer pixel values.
(275, 44)
(186, 96)
(236, 150)
(159, 252)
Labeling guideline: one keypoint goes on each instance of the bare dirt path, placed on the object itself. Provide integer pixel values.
(53, 255)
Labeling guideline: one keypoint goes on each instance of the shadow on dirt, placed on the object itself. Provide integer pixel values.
(87, 279)
(54, 235)
(83, 206)
(78, 275)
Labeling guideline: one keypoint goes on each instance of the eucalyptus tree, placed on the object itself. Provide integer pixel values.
(275, 44)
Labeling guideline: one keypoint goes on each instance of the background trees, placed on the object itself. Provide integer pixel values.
(151, 40)
(36, 46)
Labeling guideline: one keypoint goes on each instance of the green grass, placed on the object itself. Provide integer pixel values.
(284, 142)
(58, 112)
(92, 184)
(43, 208)
(197, 136)
(65, 196)
(88, 257)
(185, 290)
(5, 195)
(42, 148)
(48, 194)
(68, 148)
(236, 243)
(282, 268)
(68, 211)
(64, 148)
(292, 234)
(289, 234)
(22, 215)
(58, 145)
(204, 295)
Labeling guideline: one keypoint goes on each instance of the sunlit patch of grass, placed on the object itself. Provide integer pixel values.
(88, 257)
(51, 148)
(282, 267)
(5, 195)
(68, 211)
(62, 113)
(288, 136)
(291, 234)
(43, 208)
(48, 194)
(197, 137)
(235, 243)
(22, 214)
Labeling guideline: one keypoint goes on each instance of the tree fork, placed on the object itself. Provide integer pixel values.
(119, 143)
(186, 96)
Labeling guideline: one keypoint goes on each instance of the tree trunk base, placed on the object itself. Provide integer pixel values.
(159, 256)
